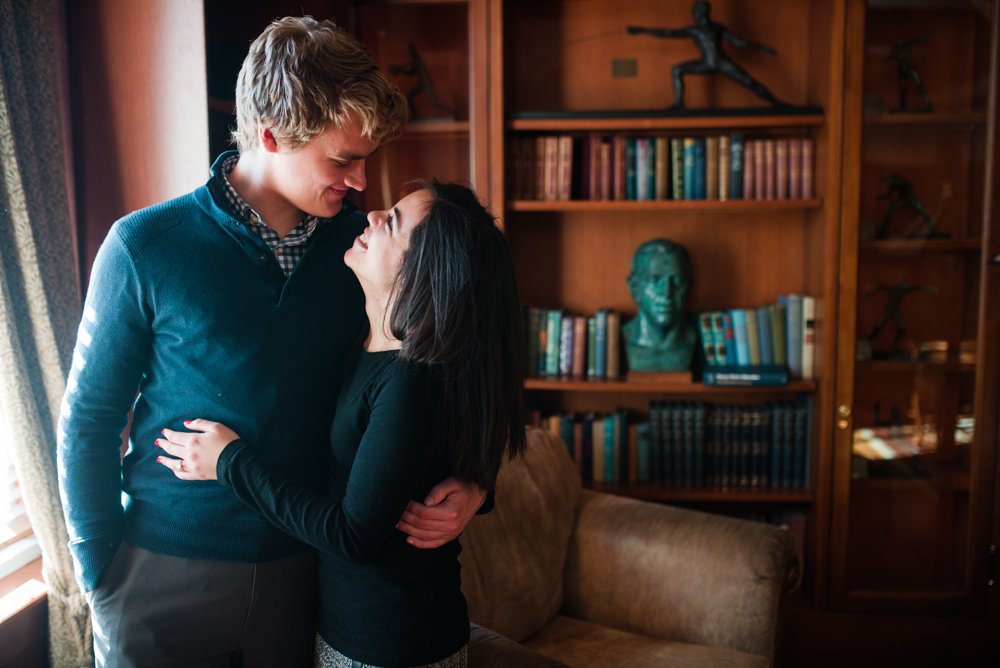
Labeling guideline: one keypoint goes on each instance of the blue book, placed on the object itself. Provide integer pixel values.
(655, 443)
(745, 376)
(736, 165)
(591, 348)
(707, 340)
(719, 339)
(689, 176)
(566, 346)
(729, 334)
(643, 451)
(553, 329)
(699, 168)
(587, 448)
(740, 336)
(631, 191)
(651, 167)
(793, 332)
(787, 444)
(776, 442)
(622, 445)
(566, 431)
(764, 333)
(601, 344)
(700, 442)
(803, 441)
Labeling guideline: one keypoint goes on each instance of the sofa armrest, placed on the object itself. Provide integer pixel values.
(488, 649)
(678, 574)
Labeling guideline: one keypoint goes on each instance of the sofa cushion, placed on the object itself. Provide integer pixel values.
(513, 558)
(491, 650)
(584, 645)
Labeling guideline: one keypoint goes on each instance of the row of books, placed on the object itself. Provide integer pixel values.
(782, 334)
(717, 167)
(559, 344)
(694, 444)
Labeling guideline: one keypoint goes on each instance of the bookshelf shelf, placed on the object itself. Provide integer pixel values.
(580, 385)
(915, 366)
(953, 121)
(650, 492)
(667, 205)
(922, 245)
(437, 128)
(563, 125)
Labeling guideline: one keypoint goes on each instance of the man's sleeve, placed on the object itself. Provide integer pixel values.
(108, 361)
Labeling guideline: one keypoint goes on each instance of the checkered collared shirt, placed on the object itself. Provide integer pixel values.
(288, 251)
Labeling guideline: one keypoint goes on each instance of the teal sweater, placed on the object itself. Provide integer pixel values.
(189, 315)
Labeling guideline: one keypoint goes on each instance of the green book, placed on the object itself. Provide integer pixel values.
(552, 331)
(778, 333)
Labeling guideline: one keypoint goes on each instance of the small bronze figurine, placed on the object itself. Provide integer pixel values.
(905, 197)
(660, 338)
(418, 68)
(708, 37)
(908, 71)
(896, 295)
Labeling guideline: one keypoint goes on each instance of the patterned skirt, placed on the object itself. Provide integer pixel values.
(328, 657)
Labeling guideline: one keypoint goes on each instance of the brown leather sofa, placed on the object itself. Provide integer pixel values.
(557, 573)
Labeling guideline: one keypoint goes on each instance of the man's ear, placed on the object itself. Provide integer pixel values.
(633, 286)
(267, 140)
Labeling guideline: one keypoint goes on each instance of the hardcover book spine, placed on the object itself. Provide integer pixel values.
(677, 443)
(724, 167)
(737, 160)
(566, 431)
(808, 337)
(588, 446)
(807, 168)
(781, 169)
(666, 442)
(793, 329)
(707, 340)
(531, 341)
(578, 446)
(579, 346)
(551, 168)
(601, 344)
(765, 447)
(712, 168)
(565, 174)
(611, 447)
(605, 155)
(543, 339)
(753, 337)
(740, 335)
(795, 168)
(541, 147)
(700, 443)
(594, 172)
(769, 167)
(630, 169)
(759, 169)
(619, 167)
(779, 333)
(699, 168)
(764, 329)
(655, 443)
(746, 446)
(591, 348)
(662, 178)
(729, 333)
(642, 170)
(566, 344)
(650, 168)
(689, 166)
(677, 168)
(745, 376)
(553, 331)
(614, 345)
(597, 460)
(749, 184)
(719, 339)
(586, 168)
(643, 446)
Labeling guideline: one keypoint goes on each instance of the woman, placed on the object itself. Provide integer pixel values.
(434, 390)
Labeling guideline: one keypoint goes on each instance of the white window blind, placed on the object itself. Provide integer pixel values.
(18, 546)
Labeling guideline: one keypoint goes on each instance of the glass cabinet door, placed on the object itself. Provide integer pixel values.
(910, 505)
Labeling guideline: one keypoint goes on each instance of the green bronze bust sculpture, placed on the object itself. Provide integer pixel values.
(660, 338)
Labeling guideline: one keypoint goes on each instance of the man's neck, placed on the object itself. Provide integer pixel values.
(251, 181)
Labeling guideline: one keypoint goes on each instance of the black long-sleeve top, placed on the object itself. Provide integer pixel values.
(382, 601)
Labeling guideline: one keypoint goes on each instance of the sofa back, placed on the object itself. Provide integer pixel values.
(513, 558)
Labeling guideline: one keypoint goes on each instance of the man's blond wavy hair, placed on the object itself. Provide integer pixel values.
(303, 77)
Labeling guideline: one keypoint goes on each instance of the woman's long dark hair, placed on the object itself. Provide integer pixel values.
(456, 309)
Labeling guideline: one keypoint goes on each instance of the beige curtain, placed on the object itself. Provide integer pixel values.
(39, 303)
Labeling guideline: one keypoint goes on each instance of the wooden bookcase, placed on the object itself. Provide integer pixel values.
(575, 255)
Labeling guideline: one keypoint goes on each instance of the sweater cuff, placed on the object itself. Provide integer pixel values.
(224, 465)
(91, 558)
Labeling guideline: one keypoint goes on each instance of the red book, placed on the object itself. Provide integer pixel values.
(781, 169)
(748, 151)
(759, 184)
(618, 167)
(769, 169)
(795, 168)
(807, 168)
(605, 157)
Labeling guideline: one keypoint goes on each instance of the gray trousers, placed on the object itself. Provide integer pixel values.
(152, 610)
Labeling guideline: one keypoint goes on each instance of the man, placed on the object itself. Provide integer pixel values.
(232, 303)
(660, 338)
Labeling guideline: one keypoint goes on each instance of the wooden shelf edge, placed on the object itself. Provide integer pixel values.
(667, 205)
(651, 492)
(581, 385)
(651, 123)
(921, 245)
